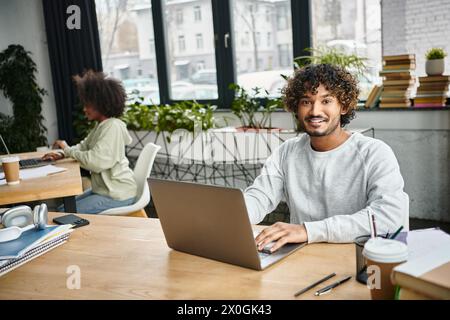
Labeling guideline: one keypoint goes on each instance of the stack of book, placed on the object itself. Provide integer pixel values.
(398, 80)
(432, 91)
(31, 244)
(426, 274)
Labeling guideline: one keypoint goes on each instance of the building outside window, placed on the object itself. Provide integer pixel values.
(192, 68)
(262, 62)
(127, 47)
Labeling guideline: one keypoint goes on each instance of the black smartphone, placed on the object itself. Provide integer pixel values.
(72, 219)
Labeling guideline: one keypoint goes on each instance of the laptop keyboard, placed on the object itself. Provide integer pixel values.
(32, 163)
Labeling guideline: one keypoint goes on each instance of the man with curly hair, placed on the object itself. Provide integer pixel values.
(329, 177)
(102, 152)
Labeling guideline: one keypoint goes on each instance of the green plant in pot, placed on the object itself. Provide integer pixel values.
(24, 131)
(435, 64)
(187, 115)
(325, 55)
(253, 112)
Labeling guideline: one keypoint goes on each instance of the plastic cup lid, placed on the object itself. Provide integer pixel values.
(9, 159)
(385, 250)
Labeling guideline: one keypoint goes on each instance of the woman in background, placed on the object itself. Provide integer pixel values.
(102, 152)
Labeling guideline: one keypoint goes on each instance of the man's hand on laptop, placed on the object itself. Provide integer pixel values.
(282, 233)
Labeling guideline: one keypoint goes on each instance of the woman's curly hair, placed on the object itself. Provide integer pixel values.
(106, 95)
(339, 82)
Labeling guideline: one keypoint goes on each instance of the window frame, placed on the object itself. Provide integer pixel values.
(224, 52)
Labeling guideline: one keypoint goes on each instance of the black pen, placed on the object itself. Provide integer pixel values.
(331, 286)
(314, 284)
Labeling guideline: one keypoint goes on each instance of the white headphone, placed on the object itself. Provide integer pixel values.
(20, 219)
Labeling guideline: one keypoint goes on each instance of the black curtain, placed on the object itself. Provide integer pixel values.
(71, 52)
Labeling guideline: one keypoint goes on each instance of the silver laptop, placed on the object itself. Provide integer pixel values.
(27, 163)
(212, 222)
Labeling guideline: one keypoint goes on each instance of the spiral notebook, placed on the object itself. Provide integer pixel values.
(9, 265)
(30, 239)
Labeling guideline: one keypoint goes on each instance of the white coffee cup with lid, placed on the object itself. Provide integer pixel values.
(382, 256)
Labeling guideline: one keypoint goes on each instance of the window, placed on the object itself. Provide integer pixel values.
(197, 13)
(282, 16)
(246, 41)
(264, 61)
(284, 58)
(352, 27)
(199, 38)
(179, 16)
(191, 69)
(259, 34)
(181, 43)
(127, 47)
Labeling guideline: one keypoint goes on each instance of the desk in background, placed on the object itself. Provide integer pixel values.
(128, 258)
(64, 185)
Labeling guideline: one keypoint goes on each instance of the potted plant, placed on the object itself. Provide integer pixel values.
(253, 112)
(158, 123)
(434, 65)
(24, 131)
(333, 56)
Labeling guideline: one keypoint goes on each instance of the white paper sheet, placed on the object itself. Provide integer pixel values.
(428, 249)
(32, 173)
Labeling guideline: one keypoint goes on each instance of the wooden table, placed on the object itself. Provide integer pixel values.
(64, 185)
(128, 258)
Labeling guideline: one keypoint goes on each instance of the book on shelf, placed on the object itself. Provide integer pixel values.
(429, 105)
(443, 78)
(403, 88)
(441, 100)
(401, 100)
(399, 67)
(430, 86)
(427, 271)
(395, 104)
(395, 94)
(396, 74)
(421, 94)
(399, 57)
(405, 82)
(374, 96)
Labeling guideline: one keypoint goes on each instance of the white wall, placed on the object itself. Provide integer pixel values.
(22, 22)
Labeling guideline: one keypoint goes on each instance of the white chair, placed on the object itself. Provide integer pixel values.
(142, 171)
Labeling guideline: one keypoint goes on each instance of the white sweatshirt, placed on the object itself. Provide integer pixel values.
(331, 192)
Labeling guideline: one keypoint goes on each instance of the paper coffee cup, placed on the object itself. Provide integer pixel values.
(11, 169)
(382, 256)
